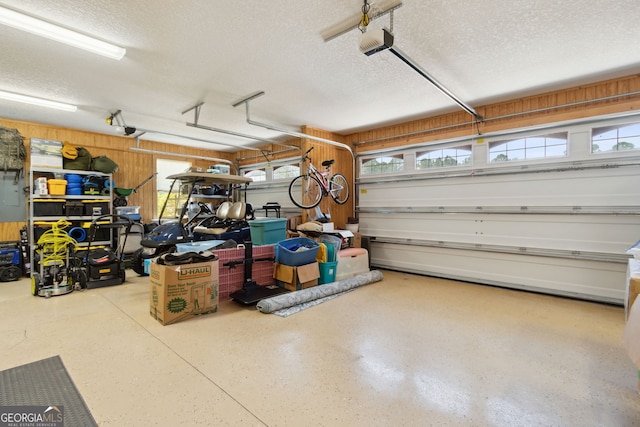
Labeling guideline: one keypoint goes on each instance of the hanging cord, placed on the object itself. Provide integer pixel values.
(54, 243)
(364, 21)
(477, 123)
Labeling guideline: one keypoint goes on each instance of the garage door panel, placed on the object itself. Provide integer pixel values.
(600, 281)
(590, 187)
(550, 226)
(592, 233)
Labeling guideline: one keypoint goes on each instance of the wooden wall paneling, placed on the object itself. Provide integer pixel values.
(10, 231)
(343, 164)
(290, 148)
(519, 107)
(133, 167)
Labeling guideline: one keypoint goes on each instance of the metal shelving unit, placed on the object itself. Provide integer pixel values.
(36, 172)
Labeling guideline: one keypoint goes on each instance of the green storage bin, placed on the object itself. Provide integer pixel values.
(268, 231)
(327, 272)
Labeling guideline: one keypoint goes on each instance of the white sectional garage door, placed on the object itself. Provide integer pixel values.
(558, 226)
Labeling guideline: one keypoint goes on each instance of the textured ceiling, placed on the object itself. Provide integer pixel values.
(180, 53)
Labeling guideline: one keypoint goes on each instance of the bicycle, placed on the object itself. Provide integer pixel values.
(307, 190)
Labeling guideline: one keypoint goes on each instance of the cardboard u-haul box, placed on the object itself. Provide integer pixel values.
(180, 292)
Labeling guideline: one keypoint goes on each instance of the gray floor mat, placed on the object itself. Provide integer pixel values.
(45, 383)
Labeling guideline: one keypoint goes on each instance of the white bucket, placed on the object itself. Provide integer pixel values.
(352, 227)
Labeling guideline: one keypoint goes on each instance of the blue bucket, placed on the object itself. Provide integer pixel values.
(74, 191)
(73, 178)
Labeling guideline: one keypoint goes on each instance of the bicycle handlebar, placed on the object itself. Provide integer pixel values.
(305, 156)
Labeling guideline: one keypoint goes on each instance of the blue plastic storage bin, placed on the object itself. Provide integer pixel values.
(133, 217)
(296, 251)
(268, 231)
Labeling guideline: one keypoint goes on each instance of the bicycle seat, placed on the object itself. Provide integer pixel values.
(328, 163)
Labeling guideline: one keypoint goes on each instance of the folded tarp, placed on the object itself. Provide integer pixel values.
(283, 301)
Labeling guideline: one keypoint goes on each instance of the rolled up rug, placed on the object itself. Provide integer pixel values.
(283, 301)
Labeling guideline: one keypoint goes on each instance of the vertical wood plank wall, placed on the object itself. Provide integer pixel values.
(344, 164)
(133, 167)
(270, 152)
(523, 112)
(532, 110)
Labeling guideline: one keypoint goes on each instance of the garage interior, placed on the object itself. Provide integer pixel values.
(484, 180)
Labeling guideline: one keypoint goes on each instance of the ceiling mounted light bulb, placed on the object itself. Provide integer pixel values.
(36, 26)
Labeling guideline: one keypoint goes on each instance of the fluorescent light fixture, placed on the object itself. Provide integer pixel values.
(45, 29)
(37, 101)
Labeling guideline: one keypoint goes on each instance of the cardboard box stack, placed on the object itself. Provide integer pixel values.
(296, 267)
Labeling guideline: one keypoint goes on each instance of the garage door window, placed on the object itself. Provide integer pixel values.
(444, 157)
(286, 171)
(615, 138)
(529, 148)
(257, 174)
(381, 165)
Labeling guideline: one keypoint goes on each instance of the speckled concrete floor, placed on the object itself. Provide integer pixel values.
(406, 351)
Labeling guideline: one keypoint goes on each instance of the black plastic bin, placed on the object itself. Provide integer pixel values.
(102, 207)
(74, 209)
(48, 207)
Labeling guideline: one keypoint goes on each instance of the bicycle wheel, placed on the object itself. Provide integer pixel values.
(305, 191)
(339, 189)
